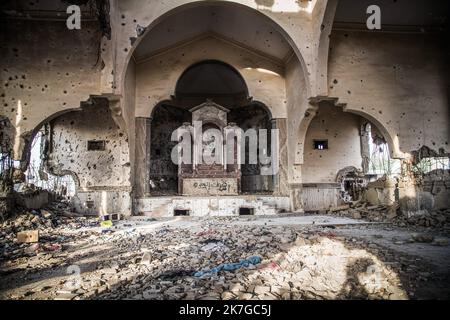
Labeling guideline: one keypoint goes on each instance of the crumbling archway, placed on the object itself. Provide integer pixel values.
(392, 141)
(162, 13)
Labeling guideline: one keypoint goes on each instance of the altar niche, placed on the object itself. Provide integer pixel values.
(211, 171)
(226, 93)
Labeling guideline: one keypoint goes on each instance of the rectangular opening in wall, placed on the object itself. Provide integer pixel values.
(89, 204)
(320, 144)
(180, 212)
(245, 211)
(96, 145)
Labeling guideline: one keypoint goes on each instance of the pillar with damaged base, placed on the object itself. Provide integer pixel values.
(281, 186)
(296, 188)
(142, 156)
(407, 190)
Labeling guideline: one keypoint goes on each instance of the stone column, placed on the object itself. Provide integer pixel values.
(281, 186)
(408, 193)
(296, 197)
(365, 149)
(142, 156)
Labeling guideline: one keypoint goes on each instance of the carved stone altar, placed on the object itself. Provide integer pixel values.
(210, 173)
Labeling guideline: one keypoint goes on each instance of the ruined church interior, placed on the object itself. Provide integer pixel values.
(224, 150)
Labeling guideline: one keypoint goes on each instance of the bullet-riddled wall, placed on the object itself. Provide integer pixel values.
(340, 130)
(91, 146)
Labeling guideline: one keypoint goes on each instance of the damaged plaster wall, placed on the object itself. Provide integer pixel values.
(435, 185)
(341, 130)
(103, 175)
(320, 189)
(297, 106)
(46, 67)
(399, 79)
(70, 135)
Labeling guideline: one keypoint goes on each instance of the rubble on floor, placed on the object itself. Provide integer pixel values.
(75, 258)
(436, 219)
(41, 228)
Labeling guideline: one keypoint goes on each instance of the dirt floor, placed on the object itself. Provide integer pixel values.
(298, 257)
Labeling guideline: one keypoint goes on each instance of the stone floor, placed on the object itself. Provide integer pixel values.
(302, 257)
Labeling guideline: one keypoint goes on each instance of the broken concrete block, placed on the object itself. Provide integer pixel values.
(146, 258)
(30, 236)
(46, 214)
(340, 208)
(392, 212)
(112, 217)
(356, 215)
(65, 295)
(421, 237)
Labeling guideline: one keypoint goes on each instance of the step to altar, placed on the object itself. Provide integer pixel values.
(211, 205)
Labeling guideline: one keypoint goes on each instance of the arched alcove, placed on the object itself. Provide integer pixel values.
(214, 80)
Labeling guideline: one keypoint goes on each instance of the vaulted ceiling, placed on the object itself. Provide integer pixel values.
(241, 26)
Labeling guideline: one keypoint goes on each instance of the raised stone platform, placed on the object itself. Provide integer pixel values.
(210, 186)
(212, 205)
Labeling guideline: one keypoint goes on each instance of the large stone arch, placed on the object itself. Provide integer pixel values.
(29, 136)
(323, 48)
(390, 138)
(144, 20)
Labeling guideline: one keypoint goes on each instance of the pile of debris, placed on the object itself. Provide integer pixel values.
(223, 262)
(437, 219)
(28, 232)
(216, 259)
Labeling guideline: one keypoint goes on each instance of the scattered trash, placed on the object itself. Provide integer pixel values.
(206, 233)
(215, 246)
(106, 223)
(269, 265)
(175, 274)
(52, 247)
(32, 249)
(253, 260)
